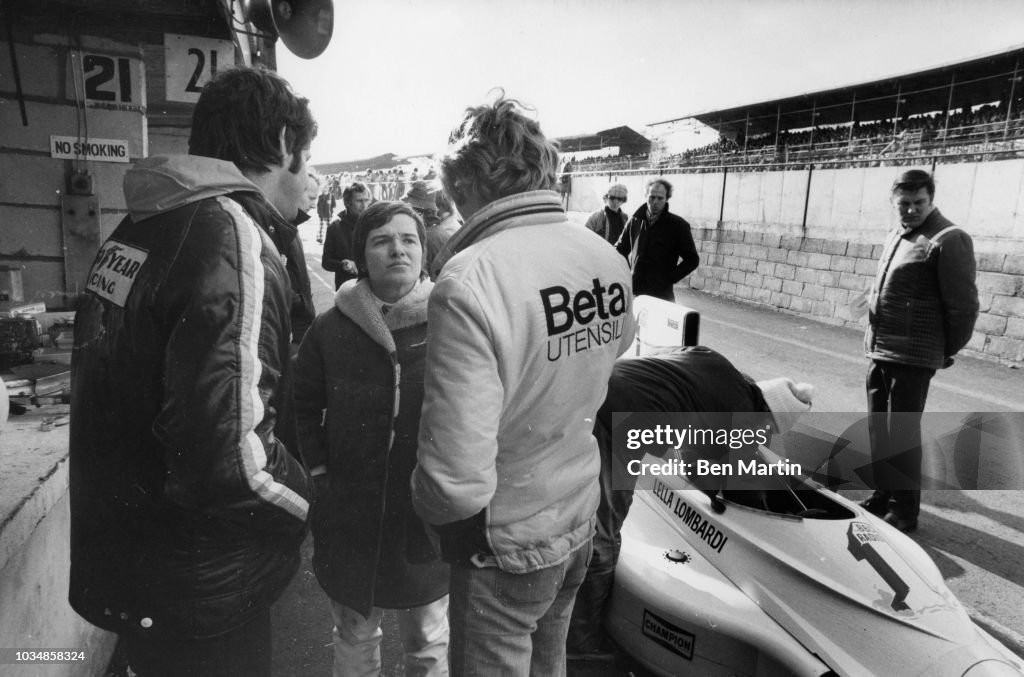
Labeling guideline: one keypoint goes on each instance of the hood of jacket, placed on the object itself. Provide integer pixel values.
(522, 209)
(164, 182)
(356, 300)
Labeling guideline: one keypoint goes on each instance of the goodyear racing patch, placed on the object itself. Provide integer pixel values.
(115, 270)
(673, 638)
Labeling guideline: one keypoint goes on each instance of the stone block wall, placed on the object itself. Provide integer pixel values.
(803, 242)
(818, 278)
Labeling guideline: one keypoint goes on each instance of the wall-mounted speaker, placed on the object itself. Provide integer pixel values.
(304, 26)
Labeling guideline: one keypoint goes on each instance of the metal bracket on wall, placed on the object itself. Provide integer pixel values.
(80, 223)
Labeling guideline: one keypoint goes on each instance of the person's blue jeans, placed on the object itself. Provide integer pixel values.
(505, 624)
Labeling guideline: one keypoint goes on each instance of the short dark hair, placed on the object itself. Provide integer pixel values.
(663, 183)
(354, 187)
(914, 180)
(375, 216)
(240, 115)
(497, 151)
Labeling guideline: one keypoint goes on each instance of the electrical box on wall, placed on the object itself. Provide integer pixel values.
(80, 183)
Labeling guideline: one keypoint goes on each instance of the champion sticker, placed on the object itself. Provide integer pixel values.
(673, 638)
(115, 271)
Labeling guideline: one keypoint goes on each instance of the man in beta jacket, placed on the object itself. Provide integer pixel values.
(658, 245)
(188, 499)
(526, 319)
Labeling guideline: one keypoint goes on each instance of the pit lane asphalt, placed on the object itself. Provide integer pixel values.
(975, 537)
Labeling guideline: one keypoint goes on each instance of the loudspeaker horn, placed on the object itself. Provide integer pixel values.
(304, 26)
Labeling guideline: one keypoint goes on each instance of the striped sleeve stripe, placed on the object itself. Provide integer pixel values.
(251, 410)
(937, 236)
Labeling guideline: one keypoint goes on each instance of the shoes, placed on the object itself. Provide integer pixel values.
(905, 525)
(877, 504)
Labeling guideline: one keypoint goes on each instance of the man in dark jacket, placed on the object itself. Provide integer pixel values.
(338, 255)
(695, 379)
(921, 312)
(188, 501)
(658, 245)
(325, 206)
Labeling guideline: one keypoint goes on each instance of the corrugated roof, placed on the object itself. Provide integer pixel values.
(616, 136)
(965, 83)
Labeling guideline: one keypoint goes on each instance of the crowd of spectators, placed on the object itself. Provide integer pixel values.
(969, 134)
(613, 162)
(385, 184)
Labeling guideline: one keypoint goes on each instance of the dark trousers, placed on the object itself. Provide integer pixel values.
(585, 632)
(896, 397)
(242, 652)
(663, 293)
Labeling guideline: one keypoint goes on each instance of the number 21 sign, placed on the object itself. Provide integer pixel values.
(191, 62)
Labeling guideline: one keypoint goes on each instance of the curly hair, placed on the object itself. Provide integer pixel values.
(373, 217)
(239, 117)
(497, 151)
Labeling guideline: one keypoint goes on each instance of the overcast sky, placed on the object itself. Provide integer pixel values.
(398, 73)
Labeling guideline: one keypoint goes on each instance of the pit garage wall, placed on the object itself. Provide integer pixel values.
(33, 233)
(806, 241)
(35, 559)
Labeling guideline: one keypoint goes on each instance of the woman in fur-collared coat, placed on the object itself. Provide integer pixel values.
(362, 361)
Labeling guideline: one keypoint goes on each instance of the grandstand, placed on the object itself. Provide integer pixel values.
(613, 144)
(385, 161)
(971, 109)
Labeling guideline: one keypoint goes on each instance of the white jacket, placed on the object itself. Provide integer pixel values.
(525, 321)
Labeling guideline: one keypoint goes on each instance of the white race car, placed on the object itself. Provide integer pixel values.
(798, 581)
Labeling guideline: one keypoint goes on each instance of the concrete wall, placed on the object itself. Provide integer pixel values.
(34, 552)
(806, 241)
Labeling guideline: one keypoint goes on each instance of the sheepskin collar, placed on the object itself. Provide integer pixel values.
(356, 300)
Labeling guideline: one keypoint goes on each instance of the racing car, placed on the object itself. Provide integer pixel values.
(796, 581)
